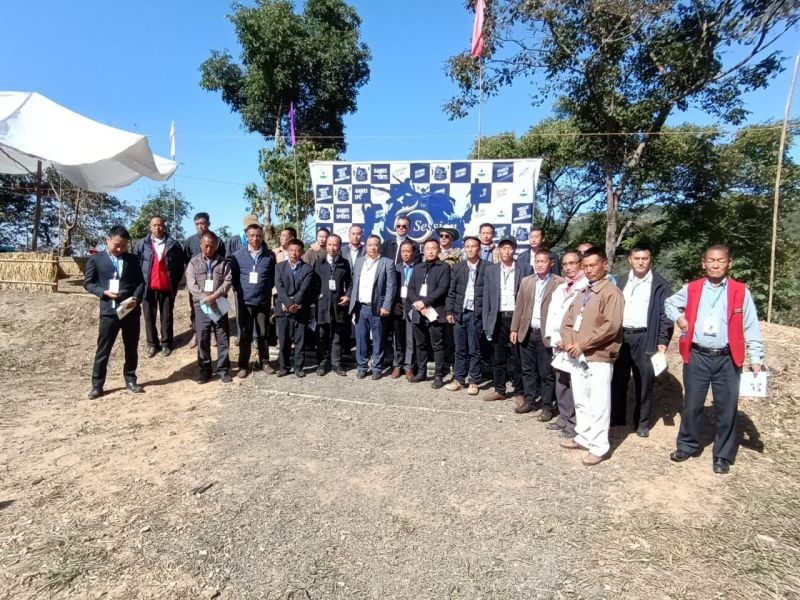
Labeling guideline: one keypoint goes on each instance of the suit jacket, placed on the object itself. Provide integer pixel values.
(99, 269)
(328, 309)
(521, 322)
(659, 326)
(490, 291)
(401, 305)
(459, 278)
(436, 275)
(389, 250)
(526, 258)
(600, 335)
(296, 287)
(384, 288)
(349, 257)
(173, 253)
(191, 248)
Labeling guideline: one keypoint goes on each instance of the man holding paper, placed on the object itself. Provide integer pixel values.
(208, 279)
(645, 331)
(427, 295)
(116, 278)
(719, 325)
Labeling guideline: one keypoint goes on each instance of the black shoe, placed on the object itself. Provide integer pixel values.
(281, 372)
(722, 466)
(321, 371)
(361, 374)
(299, 373)
(437, 383)
(202, 378)
(152, 351)
(419, 377)
(554, 427)
(224, 377)
(166, 351)
(643, 432)
(339, 371)
(134, 387)
(95, 392)
(547, 414)
(681, 455)
(525, 407)
(376, 376)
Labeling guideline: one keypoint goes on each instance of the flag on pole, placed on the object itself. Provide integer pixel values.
(172, 141)
(292, 139)
(477, 29)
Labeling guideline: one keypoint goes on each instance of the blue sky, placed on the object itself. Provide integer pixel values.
(134, 65)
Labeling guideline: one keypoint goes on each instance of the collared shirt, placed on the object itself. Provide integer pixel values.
(561, 299)
(469, 293)
(329, 258)
(255, 255)
(160, 246)
(712, 317)
(367, 280)
(352, 253)
(117, 262)
(536, 316)
(486, 252)
(400, 239)
(506, 288)
(637, 300)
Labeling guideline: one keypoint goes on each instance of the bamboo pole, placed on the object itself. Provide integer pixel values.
(37, 211)
(776, 202)
(480, 103)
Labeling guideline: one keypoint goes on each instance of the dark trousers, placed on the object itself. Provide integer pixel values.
(449, 346)
(723, 376)
(291, 331)
(329, 343)
(566, 402)
(204, 328)
(107, 335)
(632, 356)
(421, 332)
(402, 344)
(250, 316)
(506, 356)
(162, 303)
(466, 348)
(537, 368)
(369, 338)
(191, 312)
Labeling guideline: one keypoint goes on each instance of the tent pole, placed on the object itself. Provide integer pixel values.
(37, 210)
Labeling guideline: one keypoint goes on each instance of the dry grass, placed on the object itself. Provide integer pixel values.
(28, 271)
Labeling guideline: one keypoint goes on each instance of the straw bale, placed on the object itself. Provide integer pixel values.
(28, 271)
(72, 267)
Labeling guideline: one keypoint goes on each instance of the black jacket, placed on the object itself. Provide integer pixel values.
(659, 327)
(174, 257)
(459, 278)
(328, 309)
(526, 258)
(401, 304)
(436, 275)
(191, 248)
(490, 291)
(389, 249)
(295, 288)
(99, 269)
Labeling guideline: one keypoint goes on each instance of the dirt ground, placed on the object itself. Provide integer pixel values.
(334, 487)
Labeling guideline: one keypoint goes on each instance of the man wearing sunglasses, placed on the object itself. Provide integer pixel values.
(391, 247)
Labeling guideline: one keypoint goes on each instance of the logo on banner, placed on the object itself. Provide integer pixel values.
(502, 172)
(361, 174)
(380, 174)
(361, 194)
(341, 174)
(342, 195)
(440, 174)
(521, 213)
(324, 214)
(343, 214)
(324, 194)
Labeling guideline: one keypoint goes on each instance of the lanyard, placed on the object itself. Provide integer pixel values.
(717, 297)
(506, 275)
(587, 295)
(256, 258)
(407, 271)
(115, 262)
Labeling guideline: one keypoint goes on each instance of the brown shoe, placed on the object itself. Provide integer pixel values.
(242, 373)
(453, 386)
(547, 414)
(523, 406)
(193, 342)
(494, 397)
(266, 368)
(591, 460)
(410, 375)
(571, 444)
(396, 373)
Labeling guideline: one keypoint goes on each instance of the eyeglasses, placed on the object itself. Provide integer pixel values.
(399, 226)
(445, 235)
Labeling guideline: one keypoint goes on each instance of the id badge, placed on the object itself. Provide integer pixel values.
(253, 277)
(404, 292)
(423, 291)
(208, 286)
(577, 325)
(332, 285)
(710, 327)
(113, 286)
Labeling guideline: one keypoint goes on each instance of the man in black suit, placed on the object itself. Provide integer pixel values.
(115, 277)
(536, 238)
(427, 295)
(161, 260)
(334, 277)
(295, 284)
(500, 285)
(391, 247)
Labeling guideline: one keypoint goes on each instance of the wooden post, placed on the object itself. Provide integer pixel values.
(776, 202)
(37, 210)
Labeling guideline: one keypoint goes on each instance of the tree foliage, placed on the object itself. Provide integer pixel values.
(166, 203)
(618, 69)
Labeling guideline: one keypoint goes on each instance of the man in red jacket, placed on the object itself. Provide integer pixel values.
(718, 322)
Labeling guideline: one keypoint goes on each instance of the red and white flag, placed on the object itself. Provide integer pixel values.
(172, 141)
(477, 29)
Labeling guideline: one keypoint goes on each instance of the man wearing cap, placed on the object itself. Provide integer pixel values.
(253, 277)
(447, 254)
(462, 315)
(391, 247)
(527, 330)
(536, 238)
(501, 283)
(719, 327)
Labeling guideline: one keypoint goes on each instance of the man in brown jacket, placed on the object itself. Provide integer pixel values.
(592, 335)
(527, 327)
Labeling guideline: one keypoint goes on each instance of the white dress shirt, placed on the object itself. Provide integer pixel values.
(506, 288)
(536, 317)
(637, 300)
(366, 280)
(469, 293)
(160, 246)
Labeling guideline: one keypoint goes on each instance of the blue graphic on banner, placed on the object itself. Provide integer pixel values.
(460, 172)
(420, 172)
(380, 173)
(361, 194)
(341, 174)
(502, 172)
(440, 188)
(324, 194)
(481, 193)
(501, 230)
(361, 175)
(324, 213)
(440, 174)
(328, 226)
(342, 195)
(522, 213)
(521, 234)
(343, 214)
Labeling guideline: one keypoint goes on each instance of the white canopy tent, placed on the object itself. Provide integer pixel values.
(91, 155)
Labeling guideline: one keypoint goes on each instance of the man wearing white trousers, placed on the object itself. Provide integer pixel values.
(591, 333)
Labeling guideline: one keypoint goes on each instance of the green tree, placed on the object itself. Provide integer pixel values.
(619, 69)
(167, 203)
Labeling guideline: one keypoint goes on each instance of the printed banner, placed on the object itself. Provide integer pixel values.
(459, 194)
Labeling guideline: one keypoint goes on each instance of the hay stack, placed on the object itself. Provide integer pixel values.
(28, 271)
(72, 267)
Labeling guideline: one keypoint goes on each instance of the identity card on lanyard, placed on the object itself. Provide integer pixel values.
(113, 283)
(711, 323)
(423, 290)
(587, 295)
(254, 273)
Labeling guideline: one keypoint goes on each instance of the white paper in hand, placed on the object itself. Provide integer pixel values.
(431, 313)
(125, 307)
(752, 385)
(659, 361)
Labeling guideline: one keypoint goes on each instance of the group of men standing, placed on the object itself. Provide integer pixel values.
(562, 332)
